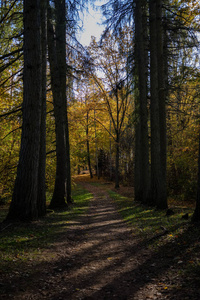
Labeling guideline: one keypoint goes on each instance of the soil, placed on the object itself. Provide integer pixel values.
(99, 258)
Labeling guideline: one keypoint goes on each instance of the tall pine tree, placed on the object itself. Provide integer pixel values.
(24, 205)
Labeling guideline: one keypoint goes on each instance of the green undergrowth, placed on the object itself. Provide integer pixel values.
(99, 184)
(102, 183)
(168, 236)
(149, 221)
(25, 242)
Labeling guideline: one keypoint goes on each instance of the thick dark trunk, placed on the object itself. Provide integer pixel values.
(58, 199)
(196, 215)
(59, 194)
(142, 126)
(137, 166)
(158, 190)
(61, 57)
(69, 185)
(162, 97)
(42, 162)
(24, 201)
(57, 56)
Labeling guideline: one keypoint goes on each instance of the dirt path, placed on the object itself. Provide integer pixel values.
(100, 259)
(107, 270)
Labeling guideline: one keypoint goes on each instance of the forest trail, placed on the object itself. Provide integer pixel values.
(99, 258)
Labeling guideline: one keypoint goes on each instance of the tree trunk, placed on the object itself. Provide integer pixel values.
(158, 190)
(57, 57)
(96, 148)
(196, 215)
(88, 146)
(117, 161)
(58, 199)
(42, 160)
(141, 58)
(24, 201)
(162, 97)
(69, 185)
(61, 55)
(137, 166)
(110, 164)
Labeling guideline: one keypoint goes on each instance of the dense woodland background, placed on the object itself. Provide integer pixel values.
(125, 107)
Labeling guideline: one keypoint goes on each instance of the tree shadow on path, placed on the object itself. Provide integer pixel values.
(101, 259)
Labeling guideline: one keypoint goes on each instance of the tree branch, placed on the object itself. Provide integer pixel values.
(11, 53)
(11, 112)
(6, 14)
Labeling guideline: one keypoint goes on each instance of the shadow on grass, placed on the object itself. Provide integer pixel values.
(121, 273)
(148, 221)
(22, 241)
(169, 262)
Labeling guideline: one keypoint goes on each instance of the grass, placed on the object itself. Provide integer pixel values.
(147, 220)
(96, 183)
(22, 243)
(180, 241)
(23, 247)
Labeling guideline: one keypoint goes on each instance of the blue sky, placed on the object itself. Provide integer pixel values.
(91, 24)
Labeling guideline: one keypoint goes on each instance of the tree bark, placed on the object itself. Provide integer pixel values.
(158, 190)
(196, 215)
(57, 58)
(58, 199)
(88, 146)
(142, 142)
(60, 7)
(42, 161)
(162, 96)
(137, 165)
(69, 185)
(24, 201)
(117, 141)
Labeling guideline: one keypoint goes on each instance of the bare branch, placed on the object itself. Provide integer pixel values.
(9, 10)
(11, 53)
(11, 132)
(11, 112)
